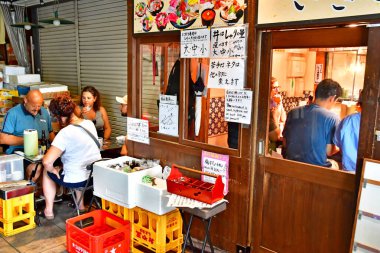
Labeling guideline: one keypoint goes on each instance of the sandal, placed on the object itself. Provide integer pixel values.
(43, 215)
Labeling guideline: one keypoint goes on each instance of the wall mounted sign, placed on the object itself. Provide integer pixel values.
(216, 164)
(238, 106)
(138, 130)
(226, 73)
(169, 15)
(195, 43)
(168, 119)
(279, 11)
(229, 42)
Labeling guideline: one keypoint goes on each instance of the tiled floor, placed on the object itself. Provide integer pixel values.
(50, 237)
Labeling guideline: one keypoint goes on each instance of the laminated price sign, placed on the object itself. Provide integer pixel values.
(138, 130)
(216, 164)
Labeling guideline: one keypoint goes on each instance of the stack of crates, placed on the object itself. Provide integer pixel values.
(158, 233)
(98, 232)
(17, 214)
(150, 232)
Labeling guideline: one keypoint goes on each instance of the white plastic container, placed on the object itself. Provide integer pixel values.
(153, 198)
(14, 167)
(117, 186)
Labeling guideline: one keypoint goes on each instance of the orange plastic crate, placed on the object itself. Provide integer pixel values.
(158, 233)
(97, 232)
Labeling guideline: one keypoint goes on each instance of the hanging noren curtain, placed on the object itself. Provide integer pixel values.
(17, 35)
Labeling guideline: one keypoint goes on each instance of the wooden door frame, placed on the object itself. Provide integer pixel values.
(359, 36)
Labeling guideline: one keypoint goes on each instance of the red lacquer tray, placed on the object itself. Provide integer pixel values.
(194, 188)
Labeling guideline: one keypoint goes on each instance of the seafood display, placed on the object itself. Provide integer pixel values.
(182, 14)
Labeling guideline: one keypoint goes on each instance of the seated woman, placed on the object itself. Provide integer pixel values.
(90, 108)
(76, 148)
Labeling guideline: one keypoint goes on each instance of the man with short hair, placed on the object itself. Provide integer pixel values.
(309, 129)
(347, 138)
(124, 112)
(29, 115)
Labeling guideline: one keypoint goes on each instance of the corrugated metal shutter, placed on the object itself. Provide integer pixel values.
(58, 48)
(102, 52)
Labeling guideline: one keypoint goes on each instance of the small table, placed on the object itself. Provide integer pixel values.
(206, 216)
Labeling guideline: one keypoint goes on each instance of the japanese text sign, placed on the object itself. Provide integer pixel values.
(226, 73)
(229, 42)
(238, 106)
(168, 99)
(195, 43)
(168, 119)
(138, 130)
(215, 164)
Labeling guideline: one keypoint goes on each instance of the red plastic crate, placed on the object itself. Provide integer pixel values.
(98, 232)
(194, 188)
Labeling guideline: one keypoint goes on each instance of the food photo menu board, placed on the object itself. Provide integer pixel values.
(169, 15)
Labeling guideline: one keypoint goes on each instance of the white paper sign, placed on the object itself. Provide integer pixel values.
(238, 106)
(138, 130)
(168, 99)
(318, 73)
(229, 42)
(195, 43)
(168, 119)
(226, 73)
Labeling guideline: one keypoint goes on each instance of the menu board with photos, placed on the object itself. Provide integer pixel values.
(170, 15)
(367, 223)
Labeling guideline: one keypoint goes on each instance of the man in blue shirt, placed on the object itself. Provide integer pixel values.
(30, 115)
(347, 138)
(309, 130)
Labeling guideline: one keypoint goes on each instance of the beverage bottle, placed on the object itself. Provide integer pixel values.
(43, 142)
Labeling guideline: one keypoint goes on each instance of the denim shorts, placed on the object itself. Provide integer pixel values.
(64, 184)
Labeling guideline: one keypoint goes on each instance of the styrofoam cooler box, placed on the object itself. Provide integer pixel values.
(117, 186)
(26, 78)
(154, 198)
(11, 168)
(12, 70)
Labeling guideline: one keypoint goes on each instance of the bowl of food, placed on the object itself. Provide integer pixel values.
(147, 23)
(183, 13)
(162, 20)
(140, 9)
(208, 17)
(231, 11)
(155, 6)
